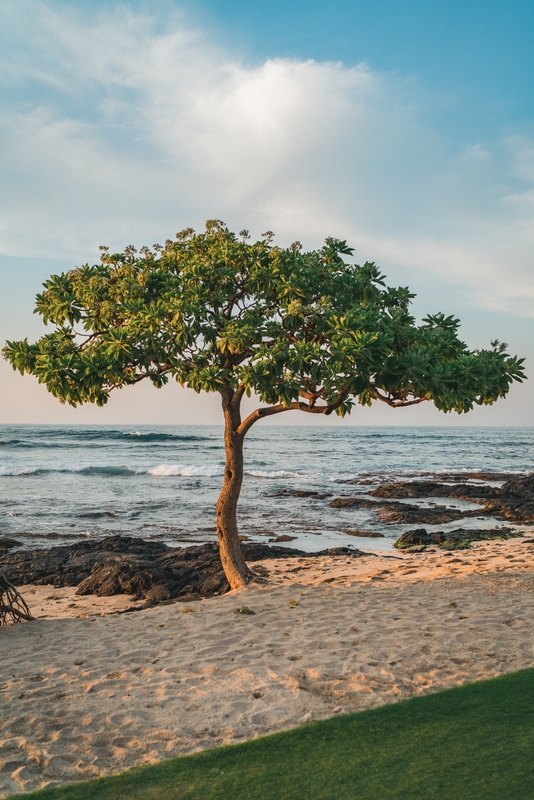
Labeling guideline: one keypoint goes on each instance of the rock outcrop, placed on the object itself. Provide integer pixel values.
(143, 569)
(459, 539)
(513, 501)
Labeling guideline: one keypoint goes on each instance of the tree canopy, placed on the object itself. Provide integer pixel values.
(301, 329)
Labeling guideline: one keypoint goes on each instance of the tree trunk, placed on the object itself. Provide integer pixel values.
(233, 562)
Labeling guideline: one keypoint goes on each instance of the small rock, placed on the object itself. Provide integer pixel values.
(7, 544)
(413, 538)
(283, 538)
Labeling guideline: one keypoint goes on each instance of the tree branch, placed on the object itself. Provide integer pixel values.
(311, 408)
(393, 403)
(238, 395)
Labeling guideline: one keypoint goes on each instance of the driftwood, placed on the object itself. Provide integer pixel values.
(13, 607)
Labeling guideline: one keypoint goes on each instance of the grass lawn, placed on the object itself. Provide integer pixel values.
(475, 742)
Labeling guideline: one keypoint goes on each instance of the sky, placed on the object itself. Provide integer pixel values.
(406, 128)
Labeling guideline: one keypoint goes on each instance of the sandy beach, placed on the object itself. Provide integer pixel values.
(88, 691)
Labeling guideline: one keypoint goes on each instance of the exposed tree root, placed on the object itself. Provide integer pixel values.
(13, 607)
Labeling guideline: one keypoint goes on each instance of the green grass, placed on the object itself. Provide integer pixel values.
(475, 742)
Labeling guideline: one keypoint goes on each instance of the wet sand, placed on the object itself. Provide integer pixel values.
(87, 691)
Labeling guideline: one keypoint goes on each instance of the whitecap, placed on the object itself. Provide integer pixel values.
(186, 471)
(259, 473)
(123, 469)
(314, 477)
(6, 471)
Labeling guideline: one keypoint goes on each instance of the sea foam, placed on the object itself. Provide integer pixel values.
(186, 471)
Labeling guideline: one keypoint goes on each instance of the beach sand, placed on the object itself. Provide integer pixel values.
(87, 691)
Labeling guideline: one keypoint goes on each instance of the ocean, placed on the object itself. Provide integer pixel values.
(61, 484)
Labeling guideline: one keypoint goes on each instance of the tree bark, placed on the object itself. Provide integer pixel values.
(233, 561)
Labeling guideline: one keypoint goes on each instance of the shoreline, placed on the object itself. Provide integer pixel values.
(50, 602)
(89, 691)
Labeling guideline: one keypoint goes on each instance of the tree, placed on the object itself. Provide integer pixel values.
(301, 330)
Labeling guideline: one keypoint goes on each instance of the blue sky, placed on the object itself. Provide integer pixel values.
(477, 55)
(405, 127)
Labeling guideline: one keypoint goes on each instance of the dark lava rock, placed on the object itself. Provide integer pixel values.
(302, 493)
(150, 570)
(283, 538)
(68, 565)
(458, 539)
(519, 487)
(434, 489)
(365, 534)
(415, 538)
(475, 476)
(404, 514)
(515, 500)
(7, 544)
(359, 481)
(352, 502)
(133, 575)
(338, 551)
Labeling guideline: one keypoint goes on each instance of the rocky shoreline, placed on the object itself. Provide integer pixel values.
(143, 569)
(157, 573)
(513, 501)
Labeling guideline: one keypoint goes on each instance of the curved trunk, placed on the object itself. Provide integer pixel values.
(233, 561)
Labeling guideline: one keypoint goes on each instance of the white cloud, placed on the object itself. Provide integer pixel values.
(126, 130)
(475, 152)
(521, 149)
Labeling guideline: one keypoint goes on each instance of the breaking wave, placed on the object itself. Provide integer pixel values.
(88, 470)
(107, 470)
(170, 471)
(186, 471)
